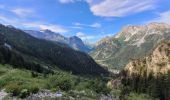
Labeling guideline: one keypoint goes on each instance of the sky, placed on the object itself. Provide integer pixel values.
(90, 20)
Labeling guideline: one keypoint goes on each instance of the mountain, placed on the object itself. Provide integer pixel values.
(48, 35)
(74, 41)
(131, 43)
(51, 55)
(156, 63)
(150, 74)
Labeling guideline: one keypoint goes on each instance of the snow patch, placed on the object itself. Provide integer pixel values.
(8, 46)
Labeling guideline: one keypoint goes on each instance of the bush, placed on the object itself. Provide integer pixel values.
(34, 89)
(134, 96)
(98, 86)
(65, 85)
(13, 88)
(2, 83)
(24, 93)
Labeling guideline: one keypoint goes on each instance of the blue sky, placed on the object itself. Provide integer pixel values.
(91, 20)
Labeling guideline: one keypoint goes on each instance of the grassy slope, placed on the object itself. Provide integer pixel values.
(11, 78)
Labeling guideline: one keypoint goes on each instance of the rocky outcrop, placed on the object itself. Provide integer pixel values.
(156, 63)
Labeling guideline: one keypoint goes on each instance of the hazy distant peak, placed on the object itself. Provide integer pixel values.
(10, 26)
(46, 31)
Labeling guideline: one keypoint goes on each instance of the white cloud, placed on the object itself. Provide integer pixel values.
(22, 12)
(35, 25)
(93, 25)
(68, 1)
(42, 26)
(76, 27)
(163, 17)
(83, 36)
(91, 38)
(96, 25)
(119, 8)
(6, 20)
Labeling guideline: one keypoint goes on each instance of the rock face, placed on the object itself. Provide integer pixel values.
(157, 62)
(131, 43)
(74, 41)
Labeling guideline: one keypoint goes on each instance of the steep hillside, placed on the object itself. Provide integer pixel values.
(151, 74)
(50, 53)
(74, 42)
(131, 43)
(12, 57)
(156, 63)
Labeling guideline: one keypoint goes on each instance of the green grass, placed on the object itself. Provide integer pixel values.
(21, 82)
(135, 96)
(10, 75)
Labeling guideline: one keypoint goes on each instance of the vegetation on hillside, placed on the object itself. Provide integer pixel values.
(133, 42)
(157, 87)
(16, 81)
(150, 75)
(49, 53)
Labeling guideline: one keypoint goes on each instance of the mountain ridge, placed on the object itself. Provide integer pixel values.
(138, 41)
(50, 53)
(77, 44)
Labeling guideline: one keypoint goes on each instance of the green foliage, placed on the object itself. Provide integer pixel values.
(34, 89)
(17, 60)
(157, 87)
(99, 86)
(24, 93)
(134, 96)
(21, 83)
(13, 88)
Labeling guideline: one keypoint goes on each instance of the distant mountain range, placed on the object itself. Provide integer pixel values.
(131, 43)
(74, 41)
(25, 51)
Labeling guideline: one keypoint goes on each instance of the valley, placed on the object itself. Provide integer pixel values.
(35, 68)
(84, 49)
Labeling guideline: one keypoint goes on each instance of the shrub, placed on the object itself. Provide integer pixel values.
(34, 89)
(2, 83)
(24, 93)
(65, 85)
(13, 88)
(134, 96)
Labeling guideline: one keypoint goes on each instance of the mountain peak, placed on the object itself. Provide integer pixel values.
(46, 31)
(158, 25)
(74, 37)
(131, 28)
(74, 41)
(104, 40)
(141, 31)
(10, 26)
(131, 42)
